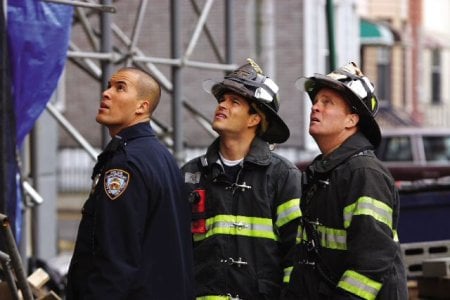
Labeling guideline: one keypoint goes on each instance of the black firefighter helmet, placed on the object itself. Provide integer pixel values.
(356, 89)
(250, 82)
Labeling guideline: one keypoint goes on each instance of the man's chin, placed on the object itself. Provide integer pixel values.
(216, 128)
(312, 130)
(99, 118)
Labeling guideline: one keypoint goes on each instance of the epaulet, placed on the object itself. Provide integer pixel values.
(204, 161)
(364, 152)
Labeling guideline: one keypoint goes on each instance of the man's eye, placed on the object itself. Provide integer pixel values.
(326, 101)
(235, 100)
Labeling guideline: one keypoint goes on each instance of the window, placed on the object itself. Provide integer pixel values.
(436, 76)
(383, 85)
(396, 148)
(437, 148)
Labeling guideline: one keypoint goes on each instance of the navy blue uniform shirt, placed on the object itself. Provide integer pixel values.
(134, 237)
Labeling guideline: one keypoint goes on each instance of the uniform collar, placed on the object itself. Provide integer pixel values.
(353, 145)
(137, 130)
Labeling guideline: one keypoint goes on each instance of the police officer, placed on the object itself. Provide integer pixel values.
(245, 198)
(347, 242)
(133, 241)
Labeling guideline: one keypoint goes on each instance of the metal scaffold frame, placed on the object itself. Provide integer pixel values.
(94, 19)
(96, 24)
(108, 54)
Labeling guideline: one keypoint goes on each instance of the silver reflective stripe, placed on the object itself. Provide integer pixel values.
(359, 285)
(370, 207)
(333, 238)
(288, 211)
(218, 297)
(238, 225)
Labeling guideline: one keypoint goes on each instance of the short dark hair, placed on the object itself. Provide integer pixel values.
(148, 87)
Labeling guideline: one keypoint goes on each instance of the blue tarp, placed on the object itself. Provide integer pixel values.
(39, 35)
(38, 38)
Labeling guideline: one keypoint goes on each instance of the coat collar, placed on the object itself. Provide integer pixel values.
(259, 153)
(353, 145)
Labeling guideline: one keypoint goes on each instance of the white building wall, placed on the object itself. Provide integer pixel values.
(347, 32)
(436, 32)
(316, 44)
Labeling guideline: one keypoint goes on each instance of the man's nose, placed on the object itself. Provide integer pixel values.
(105, 93)
(224, 103)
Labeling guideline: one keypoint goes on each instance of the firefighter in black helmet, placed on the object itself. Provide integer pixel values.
(245, 198)
(347, 240)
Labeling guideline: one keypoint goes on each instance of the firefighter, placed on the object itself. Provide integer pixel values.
(347, 240)
(133, 240)
(245, 198)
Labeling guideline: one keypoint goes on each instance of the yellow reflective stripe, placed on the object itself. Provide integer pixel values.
(301, 235)
(359, 285)
(213, 297)
(396, 239)
(238, 225)
(333, 238)
(287, 274)
(370, 207)
(288, 211)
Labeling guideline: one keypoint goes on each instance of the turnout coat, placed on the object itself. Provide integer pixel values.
(347, 241)
(244, 251)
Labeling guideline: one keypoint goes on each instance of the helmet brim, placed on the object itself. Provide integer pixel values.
(367, 124)
(277, 132)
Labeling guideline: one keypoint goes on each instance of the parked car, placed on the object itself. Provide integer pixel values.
(416, 153)
(413, 153)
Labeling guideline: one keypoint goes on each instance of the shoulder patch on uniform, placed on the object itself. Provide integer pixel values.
(116, 182)
(192, 177)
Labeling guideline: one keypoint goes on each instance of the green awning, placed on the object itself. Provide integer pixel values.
(376, 34)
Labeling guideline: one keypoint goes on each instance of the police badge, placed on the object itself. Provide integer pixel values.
(116, 182)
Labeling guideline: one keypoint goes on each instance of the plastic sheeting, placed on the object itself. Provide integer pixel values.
(8, 164)
(38, 35)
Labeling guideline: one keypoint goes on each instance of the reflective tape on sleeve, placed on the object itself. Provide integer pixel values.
(368, 206)
(360, 285)
(288, 211)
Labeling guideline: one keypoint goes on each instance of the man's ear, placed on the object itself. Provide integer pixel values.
(352, 120)
(142, 107)
(254, 120)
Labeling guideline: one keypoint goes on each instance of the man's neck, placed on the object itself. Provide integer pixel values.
(327, 144)
(114, 130)
(234, 149)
